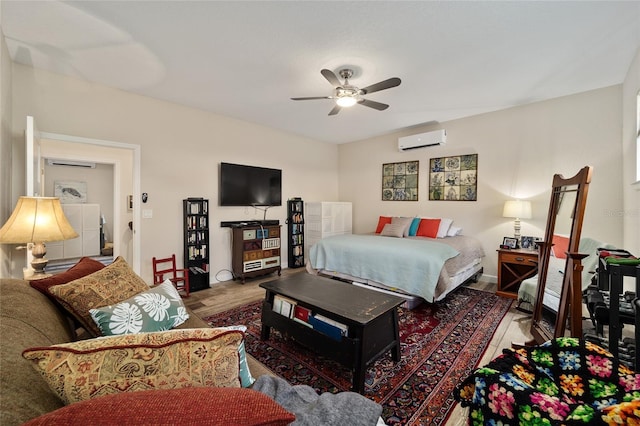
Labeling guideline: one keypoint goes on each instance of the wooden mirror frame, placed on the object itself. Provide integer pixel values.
(570, 306)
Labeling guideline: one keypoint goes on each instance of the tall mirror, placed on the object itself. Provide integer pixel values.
(566, 213)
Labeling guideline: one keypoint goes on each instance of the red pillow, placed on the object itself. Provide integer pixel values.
(560, 246)
(84, 267)
(382, 222)
(197, 406)
(428, 228)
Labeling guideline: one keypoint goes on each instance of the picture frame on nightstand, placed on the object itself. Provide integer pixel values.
(510, 242)
(527, 243)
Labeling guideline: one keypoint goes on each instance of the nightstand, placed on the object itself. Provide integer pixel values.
(514, 266)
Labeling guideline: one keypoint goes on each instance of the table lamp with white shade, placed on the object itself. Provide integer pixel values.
(517, 209)
(34, 221)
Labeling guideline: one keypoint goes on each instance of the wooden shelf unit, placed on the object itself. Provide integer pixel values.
(295, 226)
(256, 251)
(196, 242)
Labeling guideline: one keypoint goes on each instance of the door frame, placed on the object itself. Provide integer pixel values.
(117, 192)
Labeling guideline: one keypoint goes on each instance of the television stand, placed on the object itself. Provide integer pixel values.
(255, 250)
(242, 223)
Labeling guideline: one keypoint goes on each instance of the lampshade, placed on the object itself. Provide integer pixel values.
(518, 209)
(36, 220)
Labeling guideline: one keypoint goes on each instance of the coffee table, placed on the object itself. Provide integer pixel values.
(371, 317)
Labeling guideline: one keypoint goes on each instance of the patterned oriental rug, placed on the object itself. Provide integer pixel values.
(441, 344)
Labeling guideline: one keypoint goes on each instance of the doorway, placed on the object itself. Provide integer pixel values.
(124, 160)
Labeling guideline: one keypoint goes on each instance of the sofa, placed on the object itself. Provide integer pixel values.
(29, 319)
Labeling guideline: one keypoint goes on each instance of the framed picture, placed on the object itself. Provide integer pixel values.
(454, 178)
(70, 191)
(510, 242)
(527, 243)
(400, 181)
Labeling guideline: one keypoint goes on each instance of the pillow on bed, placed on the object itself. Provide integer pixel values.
(445, 224)
(413, 228)
(428, 228)
(453, 231)
(382, 221)
(560, 246)
(393, 230)
(405, 222)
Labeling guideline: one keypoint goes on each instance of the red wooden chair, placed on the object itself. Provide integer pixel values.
(165, 269)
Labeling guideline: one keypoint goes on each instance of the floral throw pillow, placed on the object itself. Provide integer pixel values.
(157, 309)
(109, 285)
(172, 359)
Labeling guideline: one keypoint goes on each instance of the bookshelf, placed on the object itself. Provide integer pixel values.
(196, 241)
(295, 227)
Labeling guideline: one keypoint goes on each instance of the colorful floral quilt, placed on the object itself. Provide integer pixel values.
(564, 381)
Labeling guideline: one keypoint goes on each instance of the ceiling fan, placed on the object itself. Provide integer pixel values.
(347, 95)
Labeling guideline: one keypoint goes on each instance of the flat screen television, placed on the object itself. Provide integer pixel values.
(242, 185)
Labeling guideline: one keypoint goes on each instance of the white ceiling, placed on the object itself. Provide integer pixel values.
(246, 59)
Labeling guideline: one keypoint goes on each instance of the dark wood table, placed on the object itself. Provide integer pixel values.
(371, 316)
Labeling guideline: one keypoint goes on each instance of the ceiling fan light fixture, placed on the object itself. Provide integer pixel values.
(346, 101)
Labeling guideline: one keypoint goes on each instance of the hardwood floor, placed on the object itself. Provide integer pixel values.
(227, 295)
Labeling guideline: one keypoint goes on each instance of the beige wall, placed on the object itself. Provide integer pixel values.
(631, 209)
(519, 150)
(6, 200)
(180, 151)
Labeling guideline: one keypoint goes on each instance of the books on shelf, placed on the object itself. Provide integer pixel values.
(291, 309)
(301, 313)
(284, 306)
(344, 330)
(327, 328)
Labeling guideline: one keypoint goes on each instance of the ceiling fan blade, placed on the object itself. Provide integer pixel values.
(336, 109)
(386, 84)
(331, 77)
(312, 97)
(373, 104)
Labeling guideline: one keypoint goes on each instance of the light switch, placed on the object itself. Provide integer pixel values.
(147, 214)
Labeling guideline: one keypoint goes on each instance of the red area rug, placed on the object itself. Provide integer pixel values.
(441, 344)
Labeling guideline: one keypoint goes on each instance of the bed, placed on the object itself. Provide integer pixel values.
(420, 268)
(555, 277)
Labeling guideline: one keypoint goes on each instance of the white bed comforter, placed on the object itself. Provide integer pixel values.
(413, 265)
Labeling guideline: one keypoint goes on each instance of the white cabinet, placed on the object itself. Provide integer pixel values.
(85, 219)
(324, 219)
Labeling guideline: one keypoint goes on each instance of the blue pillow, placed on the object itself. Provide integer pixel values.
(246, 379)
(413, 229)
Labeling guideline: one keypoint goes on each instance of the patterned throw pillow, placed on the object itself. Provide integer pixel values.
(157, 309)
(113, 284)
(134, 362)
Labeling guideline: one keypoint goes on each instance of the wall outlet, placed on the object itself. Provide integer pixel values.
(147, 213)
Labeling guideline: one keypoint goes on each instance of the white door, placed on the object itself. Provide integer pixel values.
(33, 166)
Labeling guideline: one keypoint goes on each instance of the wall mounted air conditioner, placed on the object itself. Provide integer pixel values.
(72, 163)
(422, 140)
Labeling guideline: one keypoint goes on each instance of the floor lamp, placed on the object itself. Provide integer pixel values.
(34, 221)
